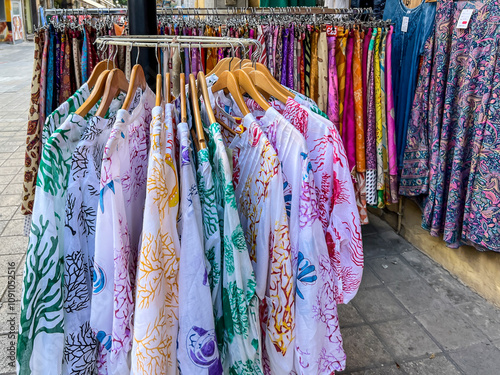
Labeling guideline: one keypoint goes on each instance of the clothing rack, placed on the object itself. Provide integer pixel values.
(249, 11)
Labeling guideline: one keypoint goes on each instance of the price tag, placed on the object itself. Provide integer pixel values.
(331, 30)
(463, 21)
(404, 25)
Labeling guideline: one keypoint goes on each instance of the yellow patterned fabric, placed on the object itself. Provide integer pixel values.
(322, 72)
(157, 293)
(378, 114)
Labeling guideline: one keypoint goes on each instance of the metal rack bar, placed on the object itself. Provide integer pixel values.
(175, 40)
(213, 11)
(260, 11)
(180, 42)
(86, 11)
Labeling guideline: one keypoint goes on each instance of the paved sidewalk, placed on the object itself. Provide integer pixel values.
(16, 67)
(409, 317)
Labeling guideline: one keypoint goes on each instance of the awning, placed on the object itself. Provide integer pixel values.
(94, 3)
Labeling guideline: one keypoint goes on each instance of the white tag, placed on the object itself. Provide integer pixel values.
(463, 21)
(404, 25)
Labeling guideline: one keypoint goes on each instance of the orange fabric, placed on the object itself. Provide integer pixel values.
(314, 65)
(211, 52)
(358, 102)
(119, 29)
(360, 182)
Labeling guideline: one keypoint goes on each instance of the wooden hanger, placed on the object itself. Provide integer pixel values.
(195, 140)
(228, 81)
(264, 85)
(203, 89)
(182, 94)
(115, 83)
(98, 69)
(158, 90)
(95, 95)
(224, 65)
(196, 112)
(278, 86)
(248, 86)
(137, 79)
(202, 86)
(158, 80)
(167, 87)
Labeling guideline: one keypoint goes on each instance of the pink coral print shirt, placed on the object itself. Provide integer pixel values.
(118, 228)
(318, 340)
(337, 207)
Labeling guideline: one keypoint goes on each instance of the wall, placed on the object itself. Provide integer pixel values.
(479, 270)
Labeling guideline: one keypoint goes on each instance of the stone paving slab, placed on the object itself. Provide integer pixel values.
(410, 316)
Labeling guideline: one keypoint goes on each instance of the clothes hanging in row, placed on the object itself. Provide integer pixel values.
(321, 61)
(451, 153)
(346, 71)
(133, 231)
(65, 56)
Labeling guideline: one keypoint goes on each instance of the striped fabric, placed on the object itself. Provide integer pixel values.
(307, 63)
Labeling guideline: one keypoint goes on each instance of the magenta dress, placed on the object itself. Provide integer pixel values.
(391, 123)
(349, 120)
(333, 84)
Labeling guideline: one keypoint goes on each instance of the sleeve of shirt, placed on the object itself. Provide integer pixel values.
(344, 231)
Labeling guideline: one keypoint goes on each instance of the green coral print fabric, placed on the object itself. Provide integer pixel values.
(211, 232)
(41, 331)
(56, 118)
(241, 352)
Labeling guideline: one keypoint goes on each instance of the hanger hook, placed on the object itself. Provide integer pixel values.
(244, 51)
(116, 53)
(157, 59)
(138, 53)
(232, 54)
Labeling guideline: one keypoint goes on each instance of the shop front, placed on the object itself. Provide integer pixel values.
(11, 21)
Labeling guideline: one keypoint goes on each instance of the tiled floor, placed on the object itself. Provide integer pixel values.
(409, 317)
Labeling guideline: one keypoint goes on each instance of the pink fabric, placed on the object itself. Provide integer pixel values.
(43, 82)
(333, 84)
(393, 170)
(251, 35)
(349, 121)
(366, 44)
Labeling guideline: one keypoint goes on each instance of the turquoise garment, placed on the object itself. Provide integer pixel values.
(407, 47)
(49, 96)
(85, 57)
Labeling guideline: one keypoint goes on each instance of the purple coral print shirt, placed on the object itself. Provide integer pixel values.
(119, 224)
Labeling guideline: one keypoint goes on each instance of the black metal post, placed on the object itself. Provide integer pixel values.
(142, 21)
